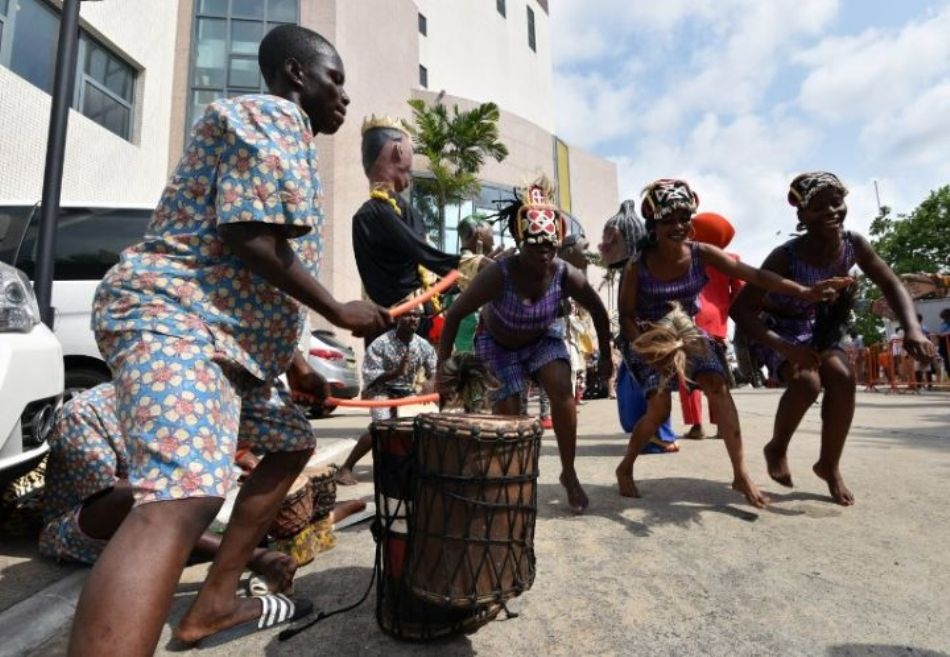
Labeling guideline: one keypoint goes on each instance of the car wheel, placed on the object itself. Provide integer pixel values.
(82, 378)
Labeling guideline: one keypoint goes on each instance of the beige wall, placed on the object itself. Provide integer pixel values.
(472, 51)
(99, 166)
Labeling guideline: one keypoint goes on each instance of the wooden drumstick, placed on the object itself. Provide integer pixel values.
(444, 284)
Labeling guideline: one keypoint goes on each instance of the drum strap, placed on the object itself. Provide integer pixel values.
(294, 631)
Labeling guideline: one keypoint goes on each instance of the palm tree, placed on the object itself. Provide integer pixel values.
(456, 146)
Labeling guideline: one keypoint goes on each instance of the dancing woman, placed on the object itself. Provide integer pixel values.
(671, 269)
(801, 340)
(520, 299)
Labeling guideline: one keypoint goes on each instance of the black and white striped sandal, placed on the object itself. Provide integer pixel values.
(277, 608)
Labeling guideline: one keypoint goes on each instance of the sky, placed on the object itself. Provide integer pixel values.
(739, 96)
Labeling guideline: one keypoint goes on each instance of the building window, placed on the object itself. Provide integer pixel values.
(500, 6)
(531, 38)
(105, 83)
(226, 36)
(423, 77)
(423, 25)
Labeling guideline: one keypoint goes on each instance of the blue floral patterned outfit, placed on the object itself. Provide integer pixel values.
(193, 337)
(384, 355)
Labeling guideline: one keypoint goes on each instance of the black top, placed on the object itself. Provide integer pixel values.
(388, 252)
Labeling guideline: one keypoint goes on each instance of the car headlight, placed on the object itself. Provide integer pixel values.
(18, 309)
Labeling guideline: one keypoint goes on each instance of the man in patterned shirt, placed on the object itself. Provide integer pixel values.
(391, 370)
(197, 322)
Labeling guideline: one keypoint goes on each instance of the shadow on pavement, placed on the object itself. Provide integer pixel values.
(354, 632)
(678, 501)
(880, 650)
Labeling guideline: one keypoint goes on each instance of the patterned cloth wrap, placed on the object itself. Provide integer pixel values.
(190, 333)
(88, 454)
(796, 324)
(653, 302)
(513, 367)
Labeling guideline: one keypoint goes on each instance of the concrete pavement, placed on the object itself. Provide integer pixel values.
(689, 569)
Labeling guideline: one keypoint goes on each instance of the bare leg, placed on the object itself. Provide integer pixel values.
(275, 568)
(102, 514)
(658, 409)
(555, 378)
(717, 392)
(125, 600)
(802, 391)
(837, 411)
(363, 446)
(216, 608)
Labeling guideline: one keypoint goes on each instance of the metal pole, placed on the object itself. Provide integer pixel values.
(55, 154)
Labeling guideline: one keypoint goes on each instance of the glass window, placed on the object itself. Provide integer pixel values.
(246, 37)
(423, 25)
(210, 46)
(531, 38)
(224, 60)
(213, 7)
(500, 6)
(13, 221)
(104, 110)
(3, 15)
(244, 72)
(33, 52)
(282, 11)
(423, 77)
(247, 9)
(88, 241)
(109, 71)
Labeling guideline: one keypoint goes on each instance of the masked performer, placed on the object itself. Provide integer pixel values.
(521, 297)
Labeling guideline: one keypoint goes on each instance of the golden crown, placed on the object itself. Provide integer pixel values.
(373, 122)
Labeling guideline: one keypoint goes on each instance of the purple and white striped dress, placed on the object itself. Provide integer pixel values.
(654, 297)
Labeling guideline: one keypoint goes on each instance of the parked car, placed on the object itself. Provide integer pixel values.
(88, 243)
(336, 362)
(31, 377)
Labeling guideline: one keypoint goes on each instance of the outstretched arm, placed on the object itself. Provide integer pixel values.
(266, 252)
(745, 312)
(915, 342)
(483, 288)
(768, 280)
(578, 288)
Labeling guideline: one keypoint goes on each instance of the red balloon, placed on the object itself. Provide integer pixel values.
(712, 228)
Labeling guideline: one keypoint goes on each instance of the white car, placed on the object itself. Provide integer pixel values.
(31, 377)
(88, 242)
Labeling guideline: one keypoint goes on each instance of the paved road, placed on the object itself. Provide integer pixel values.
(689, 569)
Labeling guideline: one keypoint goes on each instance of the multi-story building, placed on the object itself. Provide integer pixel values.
(146, 69)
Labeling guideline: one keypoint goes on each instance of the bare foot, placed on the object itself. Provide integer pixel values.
(752, 494)
(839, 492)
(345, 477)
(695, 433)
(625, 483)
(777, 463)
(198, 624)
(276, 569)
(576, 497)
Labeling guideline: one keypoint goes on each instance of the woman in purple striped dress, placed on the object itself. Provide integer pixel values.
(521, 297)
(672, 269)
(801, 341)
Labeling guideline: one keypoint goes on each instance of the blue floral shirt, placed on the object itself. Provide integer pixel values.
(250, 159)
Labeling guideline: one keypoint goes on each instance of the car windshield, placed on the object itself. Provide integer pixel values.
(88, 241)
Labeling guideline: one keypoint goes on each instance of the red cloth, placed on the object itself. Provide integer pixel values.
(715, 299)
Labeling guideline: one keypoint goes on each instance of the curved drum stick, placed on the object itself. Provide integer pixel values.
(444, 283)
(371, 403)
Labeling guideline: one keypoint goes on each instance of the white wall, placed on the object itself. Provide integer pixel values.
(100, 166)
(473, 52)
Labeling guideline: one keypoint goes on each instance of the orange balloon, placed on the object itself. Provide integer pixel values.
(712, 228)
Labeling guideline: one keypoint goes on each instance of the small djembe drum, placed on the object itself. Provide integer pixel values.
(456, 500)
(303, 526)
